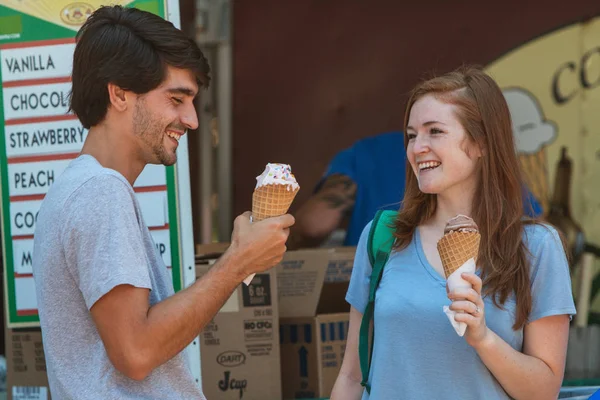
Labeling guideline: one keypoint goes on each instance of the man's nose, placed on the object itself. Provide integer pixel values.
(190, 117)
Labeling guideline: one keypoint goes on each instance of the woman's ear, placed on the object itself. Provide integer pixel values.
(473, 149)
(481, 151)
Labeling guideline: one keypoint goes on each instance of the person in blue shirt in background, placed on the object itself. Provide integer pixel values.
(360, 180)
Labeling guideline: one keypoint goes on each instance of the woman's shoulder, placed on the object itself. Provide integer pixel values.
(538, 234)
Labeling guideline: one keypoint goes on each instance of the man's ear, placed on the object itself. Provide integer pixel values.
(118, 97)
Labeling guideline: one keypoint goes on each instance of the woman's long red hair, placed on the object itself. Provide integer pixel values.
(498, 201)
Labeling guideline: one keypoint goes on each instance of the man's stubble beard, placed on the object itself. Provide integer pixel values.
(151, 132)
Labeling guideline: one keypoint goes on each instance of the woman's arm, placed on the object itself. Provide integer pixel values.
(535, 373)
(347, 385)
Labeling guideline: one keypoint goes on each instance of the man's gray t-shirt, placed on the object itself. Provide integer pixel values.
(90, 237)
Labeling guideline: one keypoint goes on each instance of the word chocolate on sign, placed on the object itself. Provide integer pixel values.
(33, 101)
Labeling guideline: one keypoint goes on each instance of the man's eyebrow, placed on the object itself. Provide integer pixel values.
(182, 90)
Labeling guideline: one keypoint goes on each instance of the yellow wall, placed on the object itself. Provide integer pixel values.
(568, 59)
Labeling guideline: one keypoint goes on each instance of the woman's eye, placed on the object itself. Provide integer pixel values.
(411, 136)
(435, 130)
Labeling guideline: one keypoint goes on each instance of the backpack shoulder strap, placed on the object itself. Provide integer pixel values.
(379, 246)
(381, 234)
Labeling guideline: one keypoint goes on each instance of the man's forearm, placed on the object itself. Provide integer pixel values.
(173, 323)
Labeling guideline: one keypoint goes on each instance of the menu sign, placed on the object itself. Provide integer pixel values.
(41, 137)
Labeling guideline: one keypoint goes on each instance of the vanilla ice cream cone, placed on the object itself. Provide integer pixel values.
(272, 200)
(275, 190)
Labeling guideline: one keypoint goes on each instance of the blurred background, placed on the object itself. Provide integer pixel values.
(297, 82)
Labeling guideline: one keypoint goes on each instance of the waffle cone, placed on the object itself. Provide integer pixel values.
(271, 201)
(456, 248)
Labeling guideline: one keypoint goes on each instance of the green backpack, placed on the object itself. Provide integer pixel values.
(381, 240)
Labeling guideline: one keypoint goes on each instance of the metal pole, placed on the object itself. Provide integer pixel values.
(206, 112)
(585, 289)
(224, 110)
(186, 231)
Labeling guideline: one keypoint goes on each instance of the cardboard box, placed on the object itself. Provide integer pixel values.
(312, 285)
(239, 348)
(26, 365)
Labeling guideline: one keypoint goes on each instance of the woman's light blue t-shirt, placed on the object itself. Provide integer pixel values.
(417, 354)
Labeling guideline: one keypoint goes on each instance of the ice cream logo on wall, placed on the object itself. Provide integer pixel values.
(552, 87)
(76, 13)
(532, 134)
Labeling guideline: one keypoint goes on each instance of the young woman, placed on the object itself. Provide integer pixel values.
(462, 160)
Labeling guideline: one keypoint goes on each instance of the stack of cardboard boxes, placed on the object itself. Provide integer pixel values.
(304, 327)
(26, 365)
(313, 319)
(239, 348)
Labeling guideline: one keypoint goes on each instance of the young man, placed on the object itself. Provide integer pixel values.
(111, 325)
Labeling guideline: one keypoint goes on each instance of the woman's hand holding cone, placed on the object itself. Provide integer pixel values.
(470, 309)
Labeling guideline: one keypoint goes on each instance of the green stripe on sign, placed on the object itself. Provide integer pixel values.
(150, 6)
(10, 24)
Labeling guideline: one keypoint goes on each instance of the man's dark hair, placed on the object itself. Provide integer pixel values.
(131, 49)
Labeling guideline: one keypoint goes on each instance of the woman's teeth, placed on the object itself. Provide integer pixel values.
(428, 165)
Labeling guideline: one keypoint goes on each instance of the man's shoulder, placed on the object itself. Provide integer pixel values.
(379, 150)
(381, 140)
(85, 183)
(370, 147)
(90, 177)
